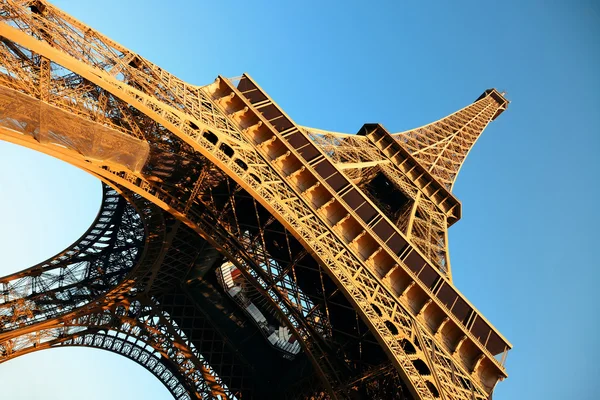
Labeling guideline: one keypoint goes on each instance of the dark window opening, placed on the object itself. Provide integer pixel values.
(390, 200)
(241, 164)
(227, 150)
(256, 178)
(211, 137)
(408, 347)
(421, 366)
(376, 309)
(432, 389)
(391, 327)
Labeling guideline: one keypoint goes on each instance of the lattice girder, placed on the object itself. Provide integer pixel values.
(135, 179)
(442, 146)
(135, 330)
(361, 161)
(96, 264)
(132, 315)
(191, 115)
(283, 125)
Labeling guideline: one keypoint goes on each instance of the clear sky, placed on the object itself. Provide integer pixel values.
(525, 251)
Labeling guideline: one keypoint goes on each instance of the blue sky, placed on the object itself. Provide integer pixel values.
(524, 252)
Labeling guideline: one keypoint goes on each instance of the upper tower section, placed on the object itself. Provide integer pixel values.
(442, 146)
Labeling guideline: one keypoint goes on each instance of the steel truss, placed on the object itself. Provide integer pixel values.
(220, 172)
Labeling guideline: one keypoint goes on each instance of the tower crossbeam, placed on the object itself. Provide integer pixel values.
(238, 254)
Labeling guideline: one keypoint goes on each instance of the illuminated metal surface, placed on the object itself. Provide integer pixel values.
(340, 238)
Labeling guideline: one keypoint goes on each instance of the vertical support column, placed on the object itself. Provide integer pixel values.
(411, 218)
(44, 76)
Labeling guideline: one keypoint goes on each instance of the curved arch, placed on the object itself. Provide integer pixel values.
(327, 251)
(196, 220)
(87, 270)
(138, 328)
(76, 248)
(267, 186)
(45, 336)
(120, 343)
(135, 352)
(138, 354)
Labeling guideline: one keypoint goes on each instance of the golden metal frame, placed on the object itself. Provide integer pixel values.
(49, 65)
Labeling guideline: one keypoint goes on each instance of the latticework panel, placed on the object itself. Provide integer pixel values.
(424, 223)
(89, 269)
(442, 146)
(204, 153)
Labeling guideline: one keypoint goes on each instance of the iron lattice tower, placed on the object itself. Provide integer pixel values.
(237, 254)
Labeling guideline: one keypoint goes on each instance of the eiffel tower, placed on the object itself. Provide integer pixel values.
(237, 254)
